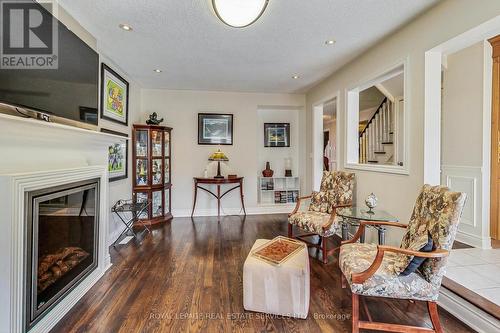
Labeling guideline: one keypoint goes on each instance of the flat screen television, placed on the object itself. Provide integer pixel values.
(70, 91)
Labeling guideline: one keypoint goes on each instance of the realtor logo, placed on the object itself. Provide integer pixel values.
(28, 33)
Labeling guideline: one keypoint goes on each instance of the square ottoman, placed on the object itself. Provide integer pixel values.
(279, 290)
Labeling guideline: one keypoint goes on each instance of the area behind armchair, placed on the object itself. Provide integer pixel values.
(320, 219)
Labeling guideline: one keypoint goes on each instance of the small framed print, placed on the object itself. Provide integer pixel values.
(117, 157)
(114, 96)
(215, 129)
(277, 135)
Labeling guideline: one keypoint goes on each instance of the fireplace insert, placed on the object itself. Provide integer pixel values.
(61, 243)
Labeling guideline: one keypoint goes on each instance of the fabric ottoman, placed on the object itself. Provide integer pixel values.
(279, 290)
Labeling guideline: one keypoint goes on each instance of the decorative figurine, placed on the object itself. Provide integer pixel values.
(153, 119)
(371, 202)
(267, 172)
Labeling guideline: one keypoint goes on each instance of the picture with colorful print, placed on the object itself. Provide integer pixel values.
(114, 96)
(117, 156)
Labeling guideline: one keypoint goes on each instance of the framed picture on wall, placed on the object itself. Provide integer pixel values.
(114, 96)
(215, 129)
(117, 157)
(276, 134)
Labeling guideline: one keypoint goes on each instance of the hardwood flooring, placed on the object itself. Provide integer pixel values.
(186, 276)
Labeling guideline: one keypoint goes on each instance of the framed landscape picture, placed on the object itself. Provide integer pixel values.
(215, 129)
(114, 96)
(277, 135)
(117, 157)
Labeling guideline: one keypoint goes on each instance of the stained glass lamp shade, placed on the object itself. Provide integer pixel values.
(218, 156)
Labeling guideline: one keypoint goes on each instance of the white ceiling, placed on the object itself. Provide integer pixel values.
(198, 52)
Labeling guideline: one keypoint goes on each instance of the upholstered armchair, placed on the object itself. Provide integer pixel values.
(386, 271)
(321, 217)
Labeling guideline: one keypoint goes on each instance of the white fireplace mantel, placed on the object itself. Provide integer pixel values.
(36, 155)
(12, 243)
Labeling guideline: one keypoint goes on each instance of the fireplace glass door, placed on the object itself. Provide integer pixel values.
(62, 243)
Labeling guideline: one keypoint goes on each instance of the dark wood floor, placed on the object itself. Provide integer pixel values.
(187, 277)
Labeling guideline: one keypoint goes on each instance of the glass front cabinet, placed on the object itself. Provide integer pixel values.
(151, 173)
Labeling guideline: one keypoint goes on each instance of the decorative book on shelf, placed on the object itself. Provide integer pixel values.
(151, 156)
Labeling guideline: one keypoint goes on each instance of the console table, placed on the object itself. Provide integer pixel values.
(218, 195)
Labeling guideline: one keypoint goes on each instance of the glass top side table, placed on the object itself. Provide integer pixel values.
(352, 216)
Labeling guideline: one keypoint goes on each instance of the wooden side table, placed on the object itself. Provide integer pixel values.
(218, 181)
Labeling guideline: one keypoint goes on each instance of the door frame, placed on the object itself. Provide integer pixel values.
(432, 114)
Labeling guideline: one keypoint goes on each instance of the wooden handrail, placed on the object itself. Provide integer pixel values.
(373, 117)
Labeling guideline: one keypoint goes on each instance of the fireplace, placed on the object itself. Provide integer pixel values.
(61, 244)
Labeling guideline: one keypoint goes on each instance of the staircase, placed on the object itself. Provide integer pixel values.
(376, 140)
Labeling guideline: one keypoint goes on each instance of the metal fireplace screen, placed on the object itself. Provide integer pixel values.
(61, 239)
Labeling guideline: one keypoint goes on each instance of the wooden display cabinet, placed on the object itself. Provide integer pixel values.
(151, 156)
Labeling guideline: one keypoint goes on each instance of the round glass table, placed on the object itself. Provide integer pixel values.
(352, 215)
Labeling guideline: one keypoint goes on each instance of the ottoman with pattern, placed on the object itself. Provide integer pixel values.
(279, 290)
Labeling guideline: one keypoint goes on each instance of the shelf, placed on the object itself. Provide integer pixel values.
(282, 190)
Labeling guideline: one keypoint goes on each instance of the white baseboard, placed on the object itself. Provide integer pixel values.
(468, 313)
(264, 209)
(473, 240)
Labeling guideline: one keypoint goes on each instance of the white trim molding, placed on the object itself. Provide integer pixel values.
(12, 243)
(468, 313)
(351, 142)
(469, 179)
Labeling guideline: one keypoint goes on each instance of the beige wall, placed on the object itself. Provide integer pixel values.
(121, 189)
(449, 18)
(462, 112)
(180, 110)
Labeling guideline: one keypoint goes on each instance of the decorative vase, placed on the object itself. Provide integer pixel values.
(267, 172)
(371, 202)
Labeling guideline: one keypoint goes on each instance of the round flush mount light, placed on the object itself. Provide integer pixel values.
(125, 27)
(239, 13)
(157, 70)
(330, 42)
(295, 77)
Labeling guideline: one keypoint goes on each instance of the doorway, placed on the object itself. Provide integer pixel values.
(325, 138)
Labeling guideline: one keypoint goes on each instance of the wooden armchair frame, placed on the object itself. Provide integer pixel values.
(363, 276)
(322, 245)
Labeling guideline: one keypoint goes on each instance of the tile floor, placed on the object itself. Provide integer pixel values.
(478, 270)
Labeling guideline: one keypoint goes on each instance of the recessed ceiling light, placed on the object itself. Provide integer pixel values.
(330, 42)
(125, 27)
(157, 70)
(295, 77)
(239, 13)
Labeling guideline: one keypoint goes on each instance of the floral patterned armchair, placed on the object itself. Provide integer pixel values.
(375, 270)
(321, 219)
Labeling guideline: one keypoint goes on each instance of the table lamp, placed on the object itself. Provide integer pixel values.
(218, 156)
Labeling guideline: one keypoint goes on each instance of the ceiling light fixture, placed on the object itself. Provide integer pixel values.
(330, 42)
(295, 77)
(239, 13)
(157, 70)
(125, 27)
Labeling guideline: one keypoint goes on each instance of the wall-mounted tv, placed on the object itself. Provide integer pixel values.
(70, 91)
